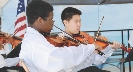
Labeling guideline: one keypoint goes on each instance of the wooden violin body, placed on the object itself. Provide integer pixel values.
(101, 41)
(13, 40)
(55, 41)
(59, 42)
(90, 39)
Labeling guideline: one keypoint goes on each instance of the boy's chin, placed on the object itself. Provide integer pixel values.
(76, 32)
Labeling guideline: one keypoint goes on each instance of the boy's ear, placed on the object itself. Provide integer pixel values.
(39, 20)
(65, 22)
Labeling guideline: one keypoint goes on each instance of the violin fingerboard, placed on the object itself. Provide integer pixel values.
(104, 41)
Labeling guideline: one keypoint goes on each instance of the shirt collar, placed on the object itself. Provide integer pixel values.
(33, 31)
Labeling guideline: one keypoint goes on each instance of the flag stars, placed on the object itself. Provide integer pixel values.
(21, 7)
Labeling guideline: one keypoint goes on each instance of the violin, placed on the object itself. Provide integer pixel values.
(101, 41)
(77, 41)
(58, 41)
(13, 40)
(54, 39)
(90, 39)
(66, 41)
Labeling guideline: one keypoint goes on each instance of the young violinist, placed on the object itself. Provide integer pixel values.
(4, 51)
(71, 19)
(41, 56)
(3, 47)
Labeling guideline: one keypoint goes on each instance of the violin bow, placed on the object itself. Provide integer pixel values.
(63, 31)
(99, 52)
(96, 38)
(98, 30)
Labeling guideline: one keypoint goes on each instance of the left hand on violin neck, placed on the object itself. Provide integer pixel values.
(115, 45)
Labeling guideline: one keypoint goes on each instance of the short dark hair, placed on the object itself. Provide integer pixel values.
(68, 12)
(36, 9)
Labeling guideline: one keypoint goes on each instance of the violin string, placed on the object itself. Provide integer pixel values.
(104, 41)
(98, 29)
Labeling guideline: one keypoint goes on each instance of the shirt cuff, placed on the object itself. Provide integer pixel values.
(108, 49)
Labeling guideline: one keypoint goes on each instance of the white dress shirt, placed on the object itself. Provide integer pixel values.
(2, 61)
(41, 56)
(8, 62)
(5, 50)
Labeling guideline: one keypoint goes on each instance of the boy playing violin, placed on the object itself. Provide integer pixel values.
(41, 56)
(5, 50)
(71, 19)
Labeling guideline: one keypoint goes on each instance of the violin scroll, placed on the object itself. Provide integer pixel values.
(125, 48)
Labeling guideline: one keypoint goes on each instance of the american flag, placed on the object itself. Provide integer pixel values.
(20, 24)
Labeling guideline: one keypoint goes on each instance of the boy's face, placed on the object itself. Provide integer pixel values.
(73, 26)
(46, 25)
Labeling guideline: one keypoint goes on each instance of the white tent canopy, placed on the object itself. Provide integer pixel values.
(117, 16)
(85, 2)
(2, 3)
